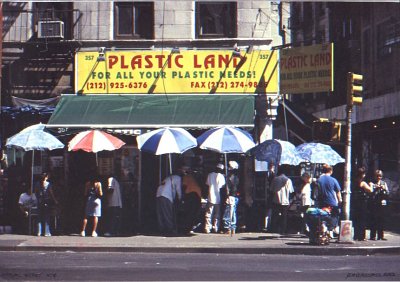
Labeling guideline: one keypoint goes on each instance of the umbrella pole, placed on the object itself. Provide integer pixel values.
(29, 215)
(226, 170)
(159, 170)
(170, 164)
(227, 193)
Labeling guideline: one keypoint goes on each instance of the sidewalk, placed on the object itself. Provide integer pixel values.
(240, 243)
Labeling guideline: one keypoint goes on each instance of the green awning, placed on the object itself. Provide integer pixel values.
(153, 111)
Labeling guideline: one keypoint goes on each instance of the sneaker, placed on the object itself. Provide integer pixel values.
(83, 233)
(47, 235)
(38, 234)
(207, 231)
(94, 234)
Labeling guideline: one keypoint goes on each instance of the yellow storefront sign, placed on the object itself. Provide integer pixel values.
(188, 71)
(306, 69)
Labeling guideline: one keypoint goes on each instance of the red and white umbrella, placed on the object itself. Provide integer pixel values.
(94, 141)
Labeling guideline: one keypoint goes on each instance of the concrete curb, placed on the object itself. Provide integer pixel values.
(243, 243)
(306, 250)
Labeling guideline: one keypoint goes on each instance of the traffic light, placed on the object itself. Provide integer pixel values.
(324, 130)
(354, 89)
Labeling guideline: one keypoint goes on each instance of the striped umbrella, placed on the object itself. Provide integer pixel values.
(166, 141)
(94, 141)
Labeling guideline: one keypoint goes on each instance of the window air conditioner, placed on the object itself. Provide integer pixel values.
(50, 29)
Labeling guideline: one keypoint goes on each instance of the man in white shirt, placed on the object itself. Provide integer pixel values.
(281, 188)
(215, 181)
(113, 207)
(167, 192)
(27, 202)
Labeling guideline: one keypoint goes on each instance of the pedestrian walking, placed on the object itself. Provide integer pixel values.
(359, 199)
(379, 200)
(215, 182)
(46, 201)
(93, 193)
(113, 210)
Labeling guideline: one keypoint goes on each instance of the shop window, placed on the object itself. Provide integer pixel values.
(134, 20)
(216, 19)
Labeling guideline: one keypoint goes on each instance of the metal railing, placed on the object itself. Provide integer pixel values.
(21, 26)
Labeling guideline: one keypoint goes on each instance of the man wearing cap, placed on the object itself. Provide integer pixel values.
(229, 218)
(215, 181)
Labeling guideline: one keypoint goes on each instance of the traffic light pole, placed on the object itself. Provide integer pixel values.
(347, 168)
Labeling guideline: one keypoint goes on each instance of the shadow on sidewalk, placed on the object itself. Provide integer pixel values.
(275, 236)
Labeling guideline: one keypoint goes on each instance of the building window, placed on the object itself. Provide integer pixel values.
(367, 47)
(388, 36)
(55, 18)
(216, 20)
(321, 8)
(134, 20)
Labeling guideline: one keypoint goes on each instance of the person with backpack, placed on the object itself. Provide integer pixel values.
(46, 200)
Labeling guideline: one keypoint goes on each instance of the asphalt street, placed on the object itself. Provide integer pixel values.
(99, 266)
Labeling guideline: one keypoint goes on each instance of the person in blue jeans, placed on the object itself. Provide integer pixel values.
(46, 199)
(329, 194)
(229, 218)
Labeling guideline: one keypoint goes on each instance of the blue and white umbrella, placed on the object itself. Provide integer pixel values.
(166, 141)
(278, 152)
(318, 153)
(226, 140)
